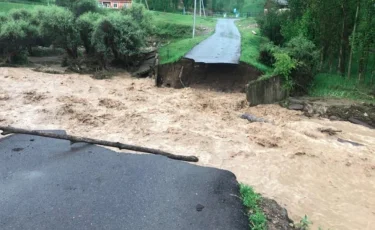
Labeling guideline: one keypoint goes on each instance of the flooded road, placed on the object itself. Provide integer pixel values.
(289, 160)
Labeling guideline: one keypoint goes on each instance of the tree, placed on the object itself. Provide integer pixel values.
(118, 36)
(15, 37)
(58, 24)
(85, 25)
(82, 6)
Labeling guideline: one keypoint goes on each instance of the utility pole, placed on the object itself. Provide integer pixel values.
(195, 14)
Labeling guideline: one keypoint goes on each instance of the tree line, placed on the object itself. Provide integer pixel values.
(339, 35)
(105, 35)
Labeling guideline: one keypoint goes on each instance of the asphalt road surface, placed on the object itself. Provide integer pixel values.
(224, 46)
(50, 184)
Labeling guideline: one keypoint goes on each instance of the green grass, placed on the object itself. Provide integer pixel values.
(175, 50)
(250, 44)
(7, 6)
(253, 6)
(336, 86)
(251, 200)
(179, 19)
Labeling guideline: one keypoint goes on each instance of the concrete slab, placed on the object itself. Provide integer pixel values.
(49, 184)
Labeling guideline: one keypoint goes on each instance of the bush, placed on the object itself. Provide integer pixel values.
(270, 25)
(304, 51)
(83, 6)
(86, 24)
(15, 38)
(118, 36)
(58, 24)
(139, 13)
(266, 54)
(20, 14)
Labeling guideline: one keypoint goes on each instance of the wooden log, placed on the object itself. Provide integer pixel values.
(76, 139)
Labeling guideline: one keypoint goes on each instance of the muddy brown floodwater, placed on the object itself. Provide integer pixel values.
(288, 160)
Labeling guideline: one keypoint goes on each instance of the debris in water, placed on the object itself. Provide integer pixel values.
(330, 131)
(253, 118)
(349, 142)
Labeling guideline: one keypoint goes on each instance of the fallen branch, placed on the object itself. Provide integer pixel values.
(75, 139)
(330, 131)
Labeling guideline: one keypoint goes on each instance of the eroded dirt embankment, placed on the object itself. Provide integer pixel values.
(218, 77)
(289, 160)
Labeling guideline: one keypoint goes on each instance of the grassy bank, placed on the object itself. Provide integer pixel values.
(175, 50)
(251, 200)
(175, 32)
(250, 43)
(331, 85)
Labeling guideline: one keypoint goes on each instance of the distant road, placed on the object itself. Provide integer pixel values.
(224, 46)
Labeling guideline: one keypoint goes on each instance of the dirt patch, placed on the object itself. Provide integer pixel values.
(362, 112)
(277, 216)
(218, 77)
(335, 109)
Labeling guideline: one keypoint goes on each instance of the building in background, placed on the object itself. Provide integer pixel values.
(115, 4)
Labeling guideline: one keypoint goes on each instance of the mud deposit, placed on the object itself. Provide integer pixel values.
(288, 159)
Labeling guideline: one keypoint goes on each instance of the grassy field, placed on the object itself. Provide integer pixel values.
(179, 19)
(250, 43)
(253, 6)
(7, 6)
(331, 85)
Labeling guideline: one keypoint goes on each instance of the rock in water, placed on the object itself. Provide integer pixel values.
(252, 118)
(295, 107)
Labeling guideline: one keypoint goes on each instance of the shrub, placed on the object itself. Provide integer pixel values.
(86, 24)
(58, 24)
(270, 25)
(20, 14)
(139, 13)
(304, 51)
(15, 37)
(118, 36)
(83, 6)
(266, 54)
(284, 66)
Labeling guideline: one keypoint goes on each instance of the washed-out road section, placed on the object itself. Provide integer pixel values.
(50, 184)
(223, 47)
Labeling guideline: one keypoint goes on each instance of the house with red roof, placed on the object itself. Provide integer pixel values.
(115, 4)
